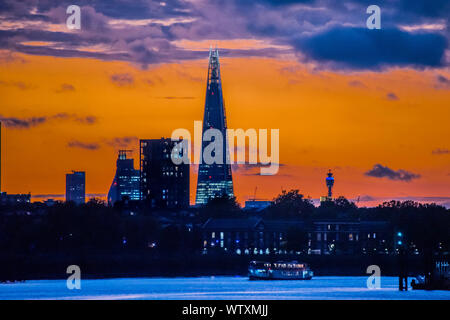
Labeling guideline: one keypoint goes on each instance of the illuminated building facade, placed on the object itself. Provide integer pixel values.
(214, 179)
(125, 185)
(258, 236)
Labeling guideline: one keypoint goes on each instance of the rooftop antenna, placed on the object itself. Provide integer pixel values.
(254, 196)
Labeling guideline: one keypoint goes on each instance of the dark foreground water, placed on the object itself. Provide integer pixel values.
(217, 288)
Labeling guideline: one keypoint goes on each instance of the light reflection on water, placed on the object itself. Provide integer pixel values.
(215, 288)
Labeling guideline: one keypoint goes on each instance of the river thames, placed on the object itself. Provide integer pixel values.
(216, 288)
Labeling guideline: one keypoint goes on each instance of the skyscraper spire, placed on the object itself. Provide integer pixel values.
(214, 179)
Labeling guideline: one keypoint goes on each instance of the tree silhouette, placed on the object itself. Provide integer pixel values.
(221, 207)
(290, 204)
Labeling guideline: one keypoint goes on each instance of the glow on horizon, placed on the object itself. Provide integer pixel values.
(342, 121)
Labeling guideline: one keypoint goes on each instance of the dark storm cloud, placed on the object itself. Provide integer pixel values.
(440, 151)
(365, 197)
(330, 41)
(250, 169)
(391, 96)
(427, 8)
(329, 33)
(130, 142)
(65, 87)
(20, 10)
(278, 3)
(22, 123)
(123, 79)
(27, 123)
(128, 9)
(18, 84)
(83, 145)
(123, 142)
(73, 117)
(443, 79)
(356, 84)
(69, 53)
(360, 48)
(442, 82)
(380, 171)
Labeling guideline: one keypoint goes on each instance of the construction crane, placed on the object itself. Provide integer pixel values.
(254, 196)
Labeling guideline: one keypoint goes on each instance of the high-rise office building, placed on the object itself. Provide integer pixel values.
(214, 179)
(125, 185)
(75, 187)
(163, 183)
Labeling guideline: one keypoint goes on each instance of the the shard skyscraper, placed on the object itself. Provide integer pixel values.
(214, 179)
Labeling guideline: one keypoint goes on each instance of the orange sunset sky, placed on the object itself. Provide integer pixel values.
(324, 122)
(345, 120)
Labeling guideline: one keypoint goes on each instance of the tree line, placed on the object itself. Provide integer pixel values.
(133, 227)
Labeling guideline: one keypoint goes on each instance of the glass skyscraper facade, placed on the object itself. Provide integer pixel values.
(75, 187)
(125, 185)
(163, 183)
(214, 179)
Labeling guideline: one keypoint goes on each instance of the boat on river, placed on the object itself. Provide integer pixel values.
(281, 270)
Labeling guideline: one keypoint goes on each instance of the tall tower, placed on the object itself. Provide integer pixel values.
(214, 179)
(330, 182)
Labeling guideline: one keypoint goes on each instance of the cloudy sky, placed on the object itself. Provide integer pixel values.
(373, 105)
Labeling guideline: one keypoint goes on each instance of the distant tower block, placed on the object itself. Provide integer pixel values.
(330, 182)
